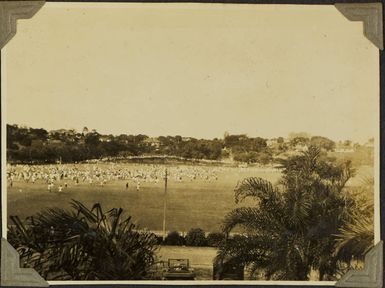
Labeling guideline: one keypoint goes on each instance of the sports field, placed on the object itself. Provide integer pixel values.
(201, 202)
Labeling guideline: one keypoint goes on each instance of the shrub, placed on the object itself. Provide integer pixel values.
(174, 238)
(215, 238)
(159, 240)
(196, 237)
(83, 244)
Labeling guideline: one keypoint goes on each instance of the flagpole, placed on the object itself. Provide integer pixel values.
(164, 205)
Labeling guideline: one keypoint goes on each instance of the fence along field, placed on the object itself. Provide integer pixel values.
(201, 202)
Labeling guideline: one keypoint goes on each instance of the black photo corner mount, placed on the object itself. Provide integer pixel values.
(370, 13)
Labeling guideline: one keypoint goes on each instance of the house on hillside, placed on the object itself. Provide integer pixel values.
(106, 138)
(152, 141)
(344, 147)
(64, 132)
(62, 135)
(300, 148)
(272, 142)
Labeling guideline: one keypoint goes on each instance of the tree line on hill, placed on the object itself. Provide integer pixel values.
(31, 145)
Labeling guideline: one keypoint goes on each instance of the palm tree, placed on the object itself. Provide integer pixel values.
(83, 244)
(292, 226)
(357, 235)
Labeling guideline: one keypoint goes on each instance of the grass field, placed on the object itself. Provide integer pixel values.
(198, 203)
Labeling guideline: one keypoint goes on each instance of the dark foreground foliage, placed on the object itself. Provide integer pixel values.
(83, 244)
(196, 237)
(214, 239)
(174, 238)
(298, 225)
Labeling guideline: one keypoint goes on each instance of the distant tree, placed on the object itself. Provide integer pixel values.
(293, 135)
(254, 157)
(246, 157)
(92, 145)
(92, 139)
(140, 138)
(39, 134)
(178, 138)
(195, 237)
(264, 158)
(323, 143)
(225, 154)
(174, 238)
(347, 143)
(299, 141)
(234, 140)
(214, 239)
(244, 148)
(111, 148)
(258, 144)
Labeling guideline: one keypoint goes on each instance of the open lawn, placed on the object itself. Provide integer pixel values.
(198, 203)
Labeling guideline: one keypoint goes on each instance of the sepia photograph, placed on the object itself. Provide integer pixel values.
(190, 141)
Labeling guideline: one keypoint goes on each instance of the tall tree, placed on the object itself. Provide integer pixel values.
(292, 227)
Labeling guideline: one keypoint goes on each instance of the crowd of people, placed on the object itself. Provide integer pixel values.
(59, 177)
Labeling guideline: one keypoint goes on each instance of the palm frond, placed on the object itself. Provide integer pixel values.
(356, 238)
(299, 204)
(257, 188)
(83, 210)
(245, 250)
(84, 244)
(252, 219)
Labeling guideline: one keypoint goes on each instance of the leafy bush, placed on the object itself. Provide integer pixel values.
(215, 238)
(159, 240)
(83, 244)
(196, 237)
(174, 238)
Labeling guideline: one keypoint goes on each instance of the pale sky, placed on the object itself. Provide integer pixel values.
(193, 70)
